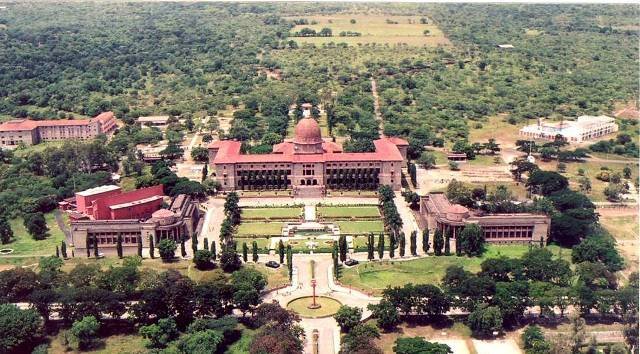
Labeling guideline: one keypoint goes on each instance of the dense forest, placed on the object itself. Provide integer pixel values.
(81, 59)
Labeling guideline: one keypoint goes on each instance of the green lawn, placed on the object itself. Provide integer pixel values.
(259, 228)
(360, 227)
(336, 193)
(621, 227)
(263, 243)
(345, 211)
(376, 276)
(360, 243)
(24, 244)
(263, 213)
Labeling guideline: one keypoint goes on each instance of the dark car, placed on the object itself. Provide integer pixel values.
(272, 264)
(351, 262)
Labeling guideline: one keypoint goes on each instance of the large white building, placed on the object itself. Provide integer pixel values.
(583, 129)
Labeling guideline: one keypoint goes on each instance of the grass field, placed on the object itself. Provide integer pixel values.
(374, 29)
(328, 307)
(265, 213)
(263, 243)
(115, 344)
(591, 169)
(24, 244)
(495, 127)
(621, 227)
(345, 211)
(376, 276)
(360, 227)
(259, 228)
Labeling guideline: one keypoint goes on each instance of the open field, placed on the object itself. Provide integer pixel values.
(268, 213)
(621, 227)
(346, 211)
(259, 228)
(360, 227)
(374, 29)
(432, 332)
(24, 244)
(114, 344)
(376, 276)
(495, 127)
(591, 169)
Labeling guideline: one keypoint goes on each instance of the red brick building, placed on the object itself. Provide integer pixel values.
(308, 165)
(31, 132)
(104, 214)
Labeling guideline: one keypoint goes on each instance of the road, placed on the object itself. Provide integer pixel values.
(376, 106)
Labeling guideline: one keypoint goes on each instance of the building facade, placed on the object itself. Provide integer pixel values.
(439, 213)
(31, 132)
(308, 165)
(585, 128)
(105, 213)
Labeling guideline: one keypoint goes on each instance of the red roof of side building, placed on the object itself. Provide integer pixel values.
(398, 141)
(18, 125)
(29, 124)
(229, 152)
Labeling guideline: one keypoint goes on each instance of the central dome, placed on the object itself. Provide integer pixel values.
(307, 132)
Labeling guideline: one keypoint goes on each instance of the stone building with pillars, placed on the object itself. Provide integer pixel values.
(308, 165)
(439, 213)
(177, 222)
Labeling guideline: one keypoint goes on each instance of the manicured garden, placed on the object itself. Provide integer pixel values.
(250, 229)
(270, 213)
(360, 227)
(328, 306)
(376, 276)
(348, 211)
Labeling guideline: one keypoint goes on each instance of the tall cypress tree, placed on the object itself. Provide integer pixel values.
(206, 243)
(403, 242)
(458, 245)
(183, 249)
(336, 264)
(245, 251)
(57, 251)
(425, 240)
(342, 245)
(214, 254)
(86, 242)
(194, 242)
(140, 246)
(392, 244)
(63, 249)
(381, 246)
(254, 247)
(119, 246)
(413, 247)
(95, 247)
(438, 242)
(152, 252)
(447, 241)
(281, 251)
(290, 262)
(370, 247)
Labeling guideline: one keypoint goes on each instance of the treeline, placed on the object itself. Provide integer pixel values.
(153, 58)
(171, 311)
(500, 294)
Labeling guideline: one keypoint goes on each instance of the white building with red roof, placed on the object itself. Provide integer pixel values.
(308, 165)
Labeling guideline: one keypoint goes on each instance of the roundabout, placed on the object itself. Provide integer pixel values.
(303, 306)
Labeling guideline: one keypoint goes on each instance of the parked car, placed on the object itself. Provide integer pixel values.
(272, 264)
(351, 262)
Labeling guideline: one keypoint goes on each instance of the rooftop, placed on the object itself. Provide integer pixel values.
(135, 202)
(98, 190)
(153, 119)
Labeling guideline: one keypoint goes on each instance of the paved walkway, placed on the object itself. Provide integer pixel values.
(328, 330)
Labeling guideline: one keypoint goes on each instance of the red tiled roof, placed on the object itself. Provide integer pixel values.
(18, 125)
(398, 141)
(28, 124)
(229, 152)
(104, 116)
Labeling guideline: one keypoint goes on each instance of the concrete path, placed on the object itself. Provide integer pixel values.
(328, 330)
